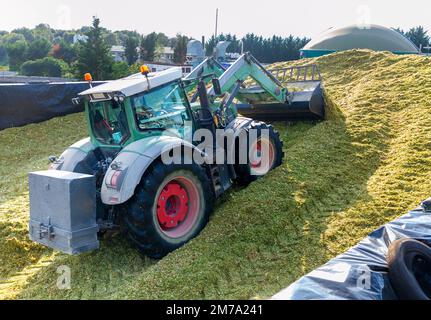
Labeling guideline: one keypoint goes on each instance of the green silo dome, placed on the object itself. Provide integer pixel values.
(374, 37)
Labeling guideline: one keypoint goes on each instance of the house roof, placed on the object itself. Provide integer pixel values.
(117, 49)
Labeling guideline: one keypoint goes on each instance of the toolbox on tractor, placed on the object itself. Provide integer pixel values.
(63, 210)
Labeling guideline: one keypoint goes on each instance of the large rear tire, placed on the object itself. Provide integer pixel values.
(171, 206)
(253, 169)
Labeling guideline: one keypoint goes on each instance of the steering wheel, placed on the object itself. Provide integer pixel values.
(145, 114)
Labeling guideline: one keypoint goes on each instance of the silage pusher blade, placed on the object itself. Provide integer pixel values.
(305, 97)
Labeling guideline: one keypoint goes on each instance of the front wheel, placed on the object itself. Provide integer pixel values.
(264, 137)
(171, 206)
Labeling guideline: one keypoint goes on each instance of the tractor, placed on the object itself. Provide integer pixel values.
(142, 171)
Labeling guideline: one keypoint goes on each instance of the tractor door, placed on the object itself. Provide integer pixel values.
(163, 108)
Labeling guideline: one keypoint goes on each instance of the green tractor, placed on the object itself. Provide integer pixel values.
(142, 170)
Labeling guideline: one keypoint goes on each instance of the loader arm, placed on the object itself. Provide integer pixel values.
(207, 68)
(247, 66)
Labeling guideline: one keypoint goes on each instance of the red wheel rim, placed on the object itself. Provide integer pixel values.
(178, 207)
(261, 163)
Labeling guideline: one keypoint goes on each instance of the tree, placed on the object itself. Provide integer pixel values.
(148, 47)
(110, 38)
(3, 52)
(44, 31)
(130, 46)
(180, 50)
(46, 67)
(94, 54)
(418, 36)
(266, 50)
(16, 52)
(12, 38)
(124, 34)
(162, 39)
(26, 32)
(400, 31)
(3, 55)
(64, 51)
(38, 49)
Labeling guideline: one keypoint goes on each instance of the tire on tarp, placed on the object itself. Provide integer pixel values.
(409, 263)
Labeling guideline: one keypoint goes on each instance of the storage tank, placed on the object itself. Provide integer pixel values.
(373, 37)
(195, 52)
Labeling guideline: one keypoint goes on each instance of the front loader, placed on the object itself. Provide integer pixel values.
(302, 97)
(152, 165)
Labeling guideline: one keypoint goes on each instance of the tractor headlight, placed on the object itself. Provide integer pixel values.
(118, 98)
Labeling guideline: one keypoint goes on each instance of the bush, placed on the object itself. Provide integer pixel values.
(120, 70)
(46, 67)
(135, 68)
(38, 49)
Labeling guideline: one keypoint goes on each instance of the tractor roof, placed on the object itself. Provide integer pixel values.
(136, 83)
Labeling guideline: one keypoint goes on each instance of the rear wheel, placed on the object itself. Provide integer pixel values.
(259, 164)
(170, 206)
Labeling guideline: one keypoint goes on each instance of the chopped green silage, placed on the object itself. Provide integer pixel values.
(367, 164)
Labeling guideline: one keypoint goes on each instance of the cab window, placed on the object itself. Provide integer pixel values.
(109, 122)
(163, 107)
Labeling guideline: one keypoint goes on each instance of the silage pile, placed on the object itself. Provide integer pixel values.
(368, 163)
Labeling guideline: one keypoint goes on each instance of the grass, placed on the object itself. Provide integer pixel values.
(342, 178)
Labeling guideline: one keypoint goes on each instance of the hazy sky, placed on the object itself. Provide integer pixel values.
(196, 17)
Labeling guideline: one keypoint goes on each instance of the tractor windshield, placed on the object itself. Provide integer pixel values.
(108, 122)
(163, 108)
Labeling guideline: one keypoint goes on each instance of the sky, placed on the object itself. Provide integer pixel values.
(196, 18)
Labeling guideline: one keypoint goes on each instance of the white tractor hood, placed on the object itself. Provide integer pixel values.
(136, 83)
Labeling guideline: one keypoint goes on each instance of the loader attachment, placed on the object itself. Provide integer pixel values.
(304, 102)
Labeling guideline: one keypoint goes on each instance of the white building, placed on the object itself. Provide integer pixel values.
(166, 55)
(118, 53)
(79, 37)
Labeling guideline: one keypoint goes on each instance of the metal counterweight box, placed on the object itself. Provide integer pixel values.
(63, 211)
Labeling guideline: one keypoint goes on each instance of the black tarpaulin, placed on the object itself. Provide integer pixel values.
(361, 272)
(25, 103)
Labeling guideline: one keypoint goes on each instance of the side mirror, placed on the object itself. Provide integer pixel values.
(216, 86)
(76, 101)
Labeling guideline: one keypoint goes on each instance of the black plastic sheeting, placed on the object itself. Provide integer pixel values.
(361, 272)
(25, 103)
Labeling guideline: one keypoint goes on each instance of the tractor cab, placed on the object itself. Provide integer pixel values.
(122, 111)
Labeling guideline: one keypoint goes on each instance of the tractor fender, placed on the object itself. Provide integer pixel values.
(237, 125)
(73, 156)
(132, 162)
